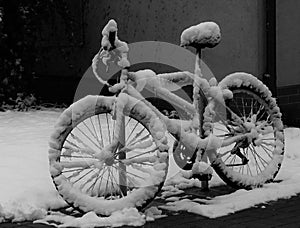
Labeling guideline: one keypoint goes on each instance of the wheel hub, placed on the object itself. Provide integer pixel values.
(109, 161)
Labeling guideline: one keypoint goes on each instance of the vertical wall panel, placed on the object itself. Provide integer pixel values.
(288, 35)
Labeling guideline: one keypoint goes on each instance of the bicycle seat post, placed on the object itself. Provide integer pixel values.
(200, 104)
(200, 36)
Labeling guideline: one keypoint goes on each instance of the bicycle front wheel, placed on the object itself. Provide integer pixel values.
(91, 179)
(256, 160)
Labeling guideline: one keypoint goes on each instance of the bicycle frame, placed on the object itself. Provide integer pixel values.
(206, 96)
(187, 131)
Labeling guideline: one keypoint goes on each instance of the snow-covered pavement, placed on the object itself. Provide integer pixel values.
(26, 185)
(27, 192)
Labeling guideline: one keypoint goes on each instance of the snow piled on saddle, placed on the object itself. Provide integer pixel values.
(205, 34)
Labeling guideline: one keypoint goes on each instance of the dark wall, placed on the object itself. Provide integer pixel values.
(240, 49)
(288, 60)
(288, 51)
(239, 20)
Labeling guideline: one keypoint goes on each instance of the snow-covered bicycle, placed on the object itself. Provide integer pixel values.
(111, 152)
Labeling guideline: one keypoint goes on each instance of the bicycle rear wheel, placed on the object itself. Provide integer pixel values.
(86, 176)
(253, 161)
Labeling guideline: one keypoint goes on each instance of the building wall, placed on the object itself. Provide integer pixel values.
(288, 59)
(239, 20)
(139, 20)
(242, 47)
(288, 51)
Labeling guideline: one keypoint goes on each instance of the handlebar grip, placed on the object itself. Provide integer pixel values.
(112, 38)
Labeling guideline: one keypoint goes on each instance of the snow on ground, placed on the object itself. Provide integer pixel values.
(289, 185)
(27, 192)
(26, 189)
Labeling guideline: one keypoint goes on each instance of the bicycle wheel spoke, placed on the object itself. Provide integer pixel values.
(138, 155)
(260, 157)
(111, 184)
(108, 128)
(140, 140)
(127, 177)
(228, 157)
(235, 116)
(74, 156)
(265, 149)
(262, 160)
(108, 168)
(88, 181)
(95, 132)
(232, 160)
(92, 141)
(237, 107)
(78, 140)
(94, 183)
(99, 186)
(100, 129)
(87, 127)
(261, 107)
(249, 170)
(263, 115)
(248, 166)
(224, 122)
(82, 151)
(100, 173)
(139, 162)
(113, 190)
(135, 175)
(128, 122)
(234, 156)
(224, 153)
(257, 165)
(221, 129)
(68, 151)
(114, 122)
(251, 110)
(82, 163)
(269, 139)
(242, 166)
(148, 164)
(72, 144)
(83, 176)
(132, 130)
(74, 170)
(268, 144)
(225, 135)
(118, 186)
(70, 147)
(241, 170)
(137, 135)
(244, 111)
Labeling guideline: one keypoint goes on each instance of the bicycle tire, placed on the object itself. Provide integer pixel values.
(261, 159)
(89, 193)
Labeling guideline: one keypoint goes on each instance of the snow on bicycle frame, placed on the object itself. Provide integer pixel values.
(203, 35)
